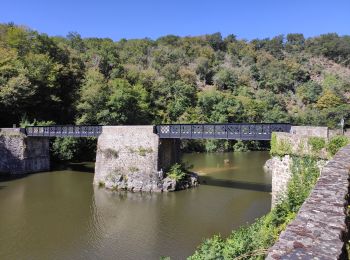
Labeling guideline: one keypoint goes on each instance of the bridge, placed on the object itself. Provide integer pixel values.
(229, 131)
(127, 157)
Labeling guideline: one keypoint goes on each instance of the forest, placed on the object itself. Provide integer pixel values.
(199, 79)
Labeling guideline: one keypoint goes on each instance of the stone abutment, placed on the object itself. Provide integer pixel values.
(20, 154)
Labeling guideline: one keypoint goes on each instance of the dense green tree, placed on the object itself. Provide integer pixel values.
(328, 100)
(309, 92)
(225, 79)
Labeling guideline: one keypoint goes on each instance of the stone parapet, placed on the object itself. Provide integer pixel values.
(318, 131)
(318, 229)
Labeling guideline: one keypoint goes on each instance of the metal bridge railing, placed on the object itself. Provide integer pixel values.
(234, 131)
(64, 131)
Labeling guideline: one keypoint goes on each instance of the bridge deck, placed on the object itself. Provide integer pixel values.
(233, 131)
(221, 131)
(64, 131)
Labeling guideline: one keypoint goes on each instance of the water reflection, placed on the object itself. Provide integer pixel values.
(255, 186)
(60, 215)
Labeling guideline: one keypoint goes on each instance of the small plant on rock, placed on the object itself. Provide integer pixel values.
(110, 153)
(133, 169)
(142, 151)
(177, 172)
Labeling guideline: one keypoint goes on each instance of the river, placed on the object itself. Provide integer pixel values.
(60, 215)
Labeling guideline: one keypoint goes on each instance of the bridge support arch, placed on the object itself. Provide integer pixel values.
(134, 158)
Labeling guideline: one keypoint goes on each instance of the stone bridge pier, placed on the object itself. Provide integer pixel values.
(134, 158)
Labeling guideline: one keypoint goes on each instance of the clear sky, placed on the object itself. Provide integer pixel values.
(247, 19)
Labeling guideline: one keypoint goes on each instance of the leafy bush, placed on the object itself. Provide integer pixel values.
(281, 147)
(73, 149)
(336, 143)
(177, 172)
(317, 144)
(217, 145)
(240, 146)
(65, 148)
(26, 122)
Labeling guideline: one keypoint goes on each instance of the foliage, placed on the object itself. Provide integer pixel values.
(328, 100)
(252, 241)
(176, 172)
(65, 148)
(240, 146)
(25, 122)
(73, 149)
(280, 146)
(316, 143)
(336, 143)
(143, 151)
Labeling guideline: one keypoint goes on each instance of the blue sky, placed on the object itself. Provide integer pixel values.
(247, 19)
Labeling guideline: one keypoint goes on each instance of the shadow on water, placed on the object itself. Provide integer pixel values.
(80, 167)
(4, 177)
(77, 167)
(207, 180)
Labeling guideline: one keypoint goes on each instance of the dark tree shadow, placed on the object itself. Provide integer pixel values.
(71, 166)
(10, 177)
(206, 180)
(80, 167)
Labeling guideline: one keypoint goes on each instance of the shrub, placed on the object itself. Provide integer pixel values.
(70, 148)
(336, 143)
(240, 146)
(65, 148)
(177, 172)
(317, 144)
(280, 147)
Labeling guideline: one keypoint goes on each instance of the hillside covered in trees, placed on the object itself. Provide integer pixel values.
(172, 79)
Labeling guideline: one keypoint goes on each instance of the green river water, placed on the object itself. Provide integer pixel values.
(61, 215)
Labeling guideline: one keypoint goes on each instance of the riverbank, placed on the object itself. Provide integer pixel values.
(299, 160)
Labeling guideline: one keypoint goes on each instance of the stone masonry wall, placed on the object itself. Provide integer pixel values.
(280, 170)
(295, 143)
(20, 154)
(318, 131)
(134, 158)
(318, 229)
